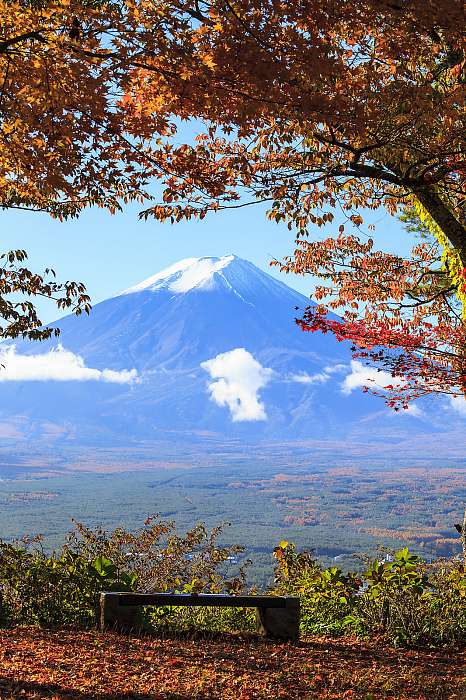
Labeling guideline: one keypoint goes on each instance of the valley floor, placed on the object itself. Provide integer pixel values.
(70, 665)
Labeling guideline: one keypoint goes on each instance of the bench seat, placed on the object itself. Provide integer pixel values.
(276, 616)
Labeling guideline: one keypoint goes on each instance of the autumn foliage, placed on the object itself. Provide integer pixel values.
(402, 314)
(18, 284)
(320, 110)
(76, 665)
(63, 140)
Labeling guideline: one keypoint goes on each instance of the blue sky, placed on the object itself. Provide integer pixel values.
(110, 253)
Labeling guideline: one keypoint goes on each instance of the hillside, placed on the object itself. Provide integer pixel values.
(206, 348)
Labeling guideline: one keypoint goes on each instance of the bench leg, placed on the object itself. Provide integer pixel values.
(279, 623)
(113, 616)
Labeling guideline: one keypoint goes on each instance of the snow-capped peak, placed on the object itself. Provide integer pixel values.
(184, 275)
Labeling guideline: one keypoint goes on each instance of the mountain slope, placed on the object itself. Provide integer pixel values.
(270, 381)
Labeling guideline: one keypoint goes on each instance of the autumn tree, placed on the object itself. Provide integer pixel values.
(18, 285)
(312, 107)
(322, 108)
(64, 141)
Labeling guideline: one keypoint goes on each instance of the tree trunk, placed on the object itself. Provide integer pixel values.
(455, 231)
(450, 225)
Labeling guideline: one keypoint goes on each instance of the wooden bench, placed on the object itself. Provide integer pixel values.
(276, 616)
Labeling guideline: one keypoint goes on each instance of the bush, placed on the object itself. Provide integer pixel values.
(405, 600)
(54, 590)
(62, 588)
(414, 604)
(327, 596)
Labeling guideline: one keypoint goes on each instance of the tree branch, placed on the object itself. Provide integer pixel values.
(5, 45)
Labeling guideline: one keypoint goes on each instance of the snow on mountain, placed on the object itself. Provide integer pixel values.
(185, 275)
(207, 345)
(229, 272)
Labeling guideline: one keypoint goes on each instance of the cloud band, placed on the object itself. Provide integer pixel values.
(58, 365)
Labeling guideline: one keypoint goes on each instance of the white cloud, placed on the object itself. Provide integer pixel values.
(458, 403)
(412, 410)
(58, 365)
(319, 377)
(361, 375)
(238, 379)
(331, 369)
(304, 378)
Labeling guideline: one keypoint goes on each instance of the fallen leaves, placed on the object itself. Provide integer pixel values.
(70, 665)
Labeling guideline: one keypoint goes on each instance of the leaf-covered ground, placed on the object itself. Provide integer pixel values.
(90, 665)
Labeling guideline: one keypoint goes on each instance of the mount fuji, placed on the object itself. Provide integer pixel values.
(207, 347)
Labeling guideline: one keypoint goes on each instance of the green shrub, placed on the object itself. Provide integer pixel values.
(327, 595)
(406, 601)
(412, 603)
(62, 588)
(201, 619)
(57, 589)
